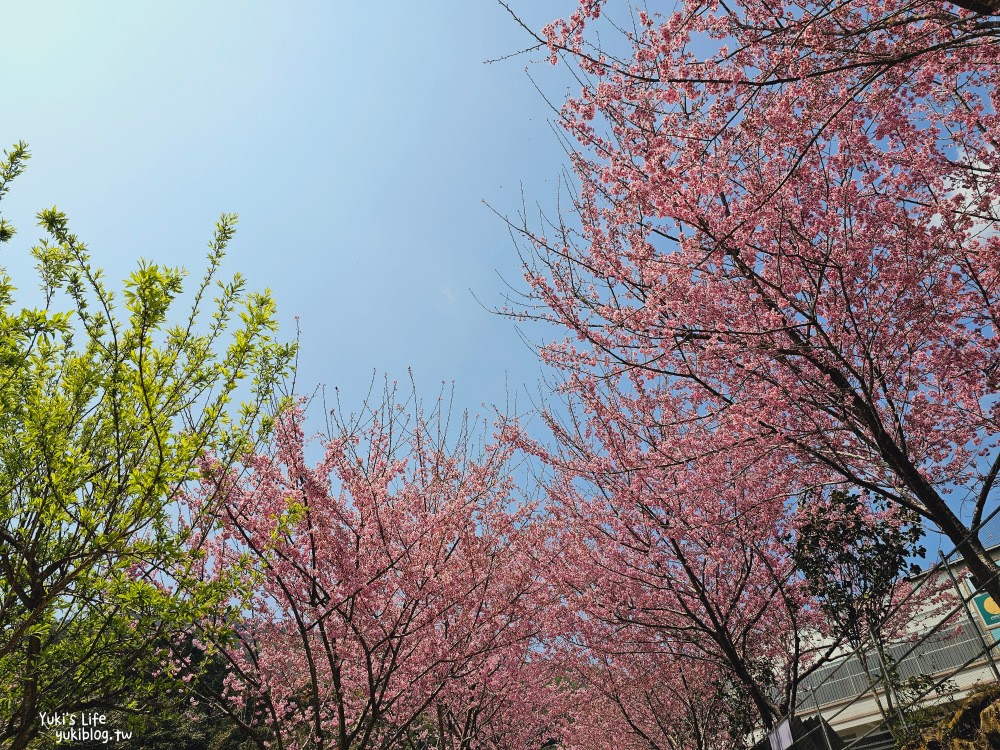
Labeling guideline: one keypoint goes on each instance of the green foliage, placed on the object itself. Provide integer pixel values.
(107, 403)
(852, 557)
(177, 724)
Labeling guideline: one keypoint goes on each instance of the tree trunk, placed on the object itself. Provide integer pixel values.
(29, 698)
(980, 7)
(984, 571)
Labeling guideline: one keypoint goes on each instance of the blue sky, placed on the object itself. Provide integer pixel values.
(357, 142)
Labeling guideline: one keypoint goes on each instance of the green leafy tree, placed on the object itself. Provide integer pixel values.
(854, 553)
(108, 400)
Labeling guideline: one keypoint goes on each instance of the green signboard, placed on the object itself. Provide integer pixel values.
(988, 609)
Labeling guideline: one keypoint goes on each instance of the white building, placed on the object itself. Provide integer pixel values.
(956, 653)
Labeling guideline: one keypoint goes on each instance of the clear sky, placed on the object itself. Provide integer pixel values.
(357, 141)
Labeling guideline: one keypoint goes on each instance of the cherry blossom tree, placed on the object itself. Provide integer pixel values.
(517, 699)
(667, 562)
(389, 593)
(785, 233)
(636, 699)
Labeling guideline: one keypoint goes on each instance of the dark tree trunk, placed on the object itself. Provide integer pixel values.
(981, 7)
